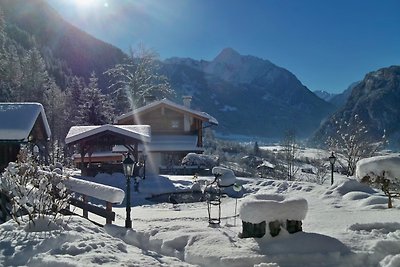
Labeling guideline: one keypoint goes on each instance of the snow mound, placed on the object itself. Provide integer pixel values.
(226, 177)
(384, 228)
(42, 224)
(77, 243)
(349, 185)
(263, 207)
(356, 196)
(376, 166)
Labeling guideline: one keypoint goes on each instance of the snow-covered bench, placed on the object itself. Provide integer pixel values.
(275, 211)
(109, 194)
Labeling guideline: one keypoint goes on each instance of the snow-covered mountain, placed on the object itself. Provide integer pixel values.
(248, 95)
(376, 100)
(324, 95)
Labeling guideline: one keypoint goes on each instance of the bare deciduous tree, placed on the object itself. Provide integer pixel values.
(290, 151)
(137, 78)
(352, 140)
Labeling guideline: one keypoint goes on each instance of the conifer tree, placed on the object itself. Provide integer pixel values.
(95, 108)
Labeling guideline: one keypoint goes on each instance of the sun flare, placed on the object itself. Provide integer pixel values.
(86, 3)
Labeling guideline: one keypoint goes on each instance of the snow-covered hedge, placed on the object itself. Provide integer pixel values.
(263, 207)
(382, 172)
(205, 161)
(389, 166)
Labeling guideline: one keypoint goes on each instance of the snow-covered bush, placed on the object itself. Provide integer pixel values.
(224, 176)
(353, 141)
(32, 190)
(204, 161)
(382, 172)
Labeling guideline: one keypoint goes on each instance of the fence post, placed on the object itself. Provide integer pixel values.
(108, 208)
(85, 211)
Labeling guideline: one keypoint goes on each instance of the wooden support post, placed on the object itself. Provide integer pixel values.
(85, 210)
(108, 209)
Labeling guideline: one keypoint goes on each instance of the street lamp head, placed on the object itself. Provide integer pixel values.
(128, 165)
(332, 159)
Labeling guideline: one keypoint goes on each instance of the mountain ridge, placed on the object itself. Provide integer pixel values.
(232, 83)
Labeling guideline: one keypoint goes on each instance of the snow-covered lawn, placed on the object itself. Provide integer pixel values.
(347, 224)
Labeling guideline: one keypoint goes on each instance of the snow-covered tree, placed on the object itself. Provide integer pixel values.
(382, 172)
(205, 161)
(137, 78)
(95, 108)
(352, 140)
(32, 190)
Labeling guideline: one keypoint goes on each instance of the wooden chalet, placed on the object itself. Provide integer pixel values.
(176, 130)
(22, 123)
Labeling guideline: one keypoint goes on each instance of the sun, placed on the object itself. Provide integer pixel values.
(86, 3)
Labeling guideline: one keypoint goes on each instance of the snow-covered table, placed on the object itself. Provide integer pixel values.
(276, 211)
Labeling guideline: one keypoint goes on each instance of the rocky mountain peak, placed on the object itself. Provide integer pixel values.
(228, 56)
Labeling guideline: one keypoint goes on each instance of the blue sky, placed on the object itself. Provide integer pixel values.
(327, 44)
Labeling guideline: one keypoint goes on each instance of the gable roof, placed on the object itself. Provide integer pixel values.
(167, 103)
(18, 119)
(137, 132)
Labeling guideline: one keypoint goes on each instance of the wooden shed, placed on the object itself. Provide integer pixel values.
(22, 123)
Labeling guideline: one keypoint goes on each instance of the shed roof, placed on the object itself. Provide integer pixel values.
(136, 132)
(165, 102)
(18, 119)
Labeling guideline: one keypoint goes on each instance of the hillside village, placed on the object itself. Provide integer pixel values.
(129, 160)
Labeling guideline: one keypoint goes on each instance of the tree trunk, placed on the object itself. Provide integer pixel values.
(390, 205)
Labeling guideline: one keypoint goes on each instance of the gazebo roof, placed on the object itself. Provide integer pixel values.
(124, 133)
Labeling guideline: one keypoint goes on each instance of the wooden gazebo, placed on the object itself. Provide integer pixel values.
(91, 139)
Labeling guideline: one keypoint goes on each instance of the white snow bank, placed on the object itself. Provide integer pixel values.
(268, 208)
(349, 185)
(99, 191)
(78, 243)
(226, 177)
(377, 166)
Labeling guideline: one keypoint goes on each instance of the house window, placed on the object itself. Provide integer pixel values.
(175, 124)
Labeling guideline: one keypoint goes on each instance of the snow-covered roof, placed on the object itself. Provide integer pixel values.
(161, 143)
(139, 132)
(266, 164)
(202, 115)
(18, 119)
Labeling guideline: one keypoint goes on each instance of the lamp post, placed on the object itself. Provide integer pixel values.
(128, 166)
(332, 160)
(237, 188)
(144, 166)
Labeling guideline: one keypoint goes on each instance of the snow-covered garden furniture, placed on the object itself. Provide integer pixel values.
(223, 178)
(275, 211)
(382, 172)
(109, 194)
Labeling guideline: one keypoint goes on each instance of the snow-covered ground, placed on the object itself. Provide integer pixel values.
(347, 224)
